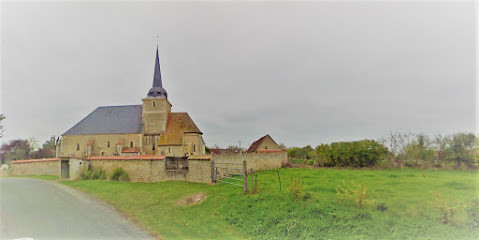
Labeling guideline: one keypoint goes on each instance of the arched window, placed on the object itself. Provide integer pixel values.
(153, 147)
(131, 144)
(108, 144)
(194, 148)
(78, 146)
(154, 104)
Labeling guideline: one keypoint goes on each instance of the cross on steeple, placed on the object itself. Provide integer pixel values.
(157, 90)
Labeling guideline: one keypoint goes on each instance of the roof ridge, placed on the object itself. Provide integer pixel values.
(120, 106)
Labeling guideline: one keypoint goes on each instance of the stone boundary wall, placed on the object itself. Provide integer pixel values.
(255, 161)
(140, 168)
(46, 166)
(153, 169)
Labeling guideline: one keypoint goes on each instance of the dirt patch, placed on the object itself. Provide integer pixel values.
(191, 199)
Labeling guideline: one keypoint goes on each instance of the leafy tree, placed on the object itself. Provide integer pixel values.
(47, 150)
(461, 148)
(15, 150)
(2, 117)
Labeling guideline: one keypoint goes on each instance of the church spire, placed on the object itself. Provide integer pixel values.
(157, 90)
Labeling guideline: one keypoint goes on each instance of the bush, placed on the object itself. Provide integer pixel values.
(354, 192)
(365, 153)
(296, 187)
(119, 175)
(473, 213)
(99, 174)
(87, 174)
(447, 209)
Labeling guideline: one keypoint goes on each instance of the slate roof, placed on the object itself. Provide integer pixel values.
(109, 120)
(178, 123)
(157, 90)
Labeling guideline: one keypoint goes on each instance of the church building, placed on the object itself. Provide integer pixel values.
(147, 129)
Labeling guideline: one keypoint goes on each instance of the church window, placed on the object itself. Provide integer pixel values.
(194, 148)
(108, 144)
(131, 144)
(154, 103)
(153, 147)
(169, 150)
(78, 146)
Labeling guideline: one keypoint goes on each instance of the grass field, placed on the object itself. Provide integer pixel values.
(401, 205)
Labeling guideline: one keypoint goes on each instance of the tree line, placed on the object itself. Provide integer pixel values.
(397, 150)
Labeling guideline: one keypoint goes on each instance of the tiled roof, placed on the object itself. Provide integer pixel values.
(199, 157)
(130, 150)
(269, 150)
(36, 160)
(254, 146)
(178, 123)
(109, 120)
(135, 157)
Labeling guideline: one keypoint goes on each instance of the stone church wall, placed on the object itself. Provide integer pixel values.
(69, 143)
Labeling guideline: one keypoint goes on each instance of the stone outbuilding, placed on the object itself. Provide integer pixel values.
(264, 144)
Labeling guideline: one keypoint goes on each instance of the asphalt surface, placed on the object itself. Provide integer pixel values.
(38, 209)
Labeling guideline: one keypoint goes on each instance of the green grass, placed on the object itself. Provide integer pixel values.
(271, 214)
(43, 177)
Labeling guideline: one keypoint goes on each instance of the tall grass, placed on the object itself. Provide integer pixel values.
(404, 209)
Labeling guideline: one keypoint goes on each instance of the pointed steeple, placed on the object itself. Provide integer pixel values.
(157, 90)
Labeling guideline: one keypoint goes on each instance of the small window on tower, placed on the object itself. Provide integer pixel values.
(108, 144)
(169, 150)
(194, 148)
(154, 104)
(131, 144)
(153, 147)
(78, 146)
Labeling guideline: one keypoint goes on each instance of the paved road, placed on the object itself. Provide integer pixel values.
(40, 209)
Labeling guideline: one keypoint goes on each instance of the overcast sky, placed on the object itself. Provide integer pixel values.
(306, 73)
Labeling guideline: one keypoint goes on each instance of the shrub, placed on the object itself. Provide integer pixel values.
(473, 213)
(85, 173)
(99, 174)
(447, 209)
(119, 174)
(296, 187)
(354, 192)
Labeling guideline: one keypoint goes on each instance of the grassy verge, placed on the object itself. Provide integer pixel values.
(402, 204)
(43, 177)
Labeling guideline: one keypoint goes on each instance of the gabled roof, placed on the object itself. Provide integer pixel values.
(254, 146)
(109, 120)
(178, 123)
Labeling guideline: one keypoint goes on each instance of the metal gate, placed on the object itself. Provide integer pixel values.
(230, 173)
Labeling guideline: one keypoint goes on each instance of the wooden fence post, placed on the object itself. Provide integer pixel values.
(253, 185)
(245, 177)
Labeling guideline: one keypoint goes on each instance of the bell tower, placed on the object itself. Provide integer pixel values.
(155, 111)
